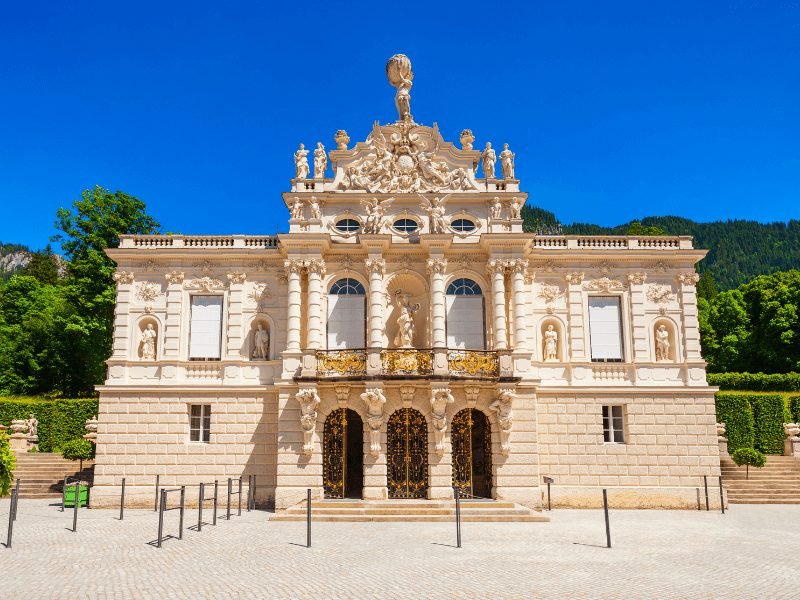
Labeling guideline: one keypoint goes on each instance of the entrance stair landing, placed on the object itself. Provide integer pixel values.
(776, 483)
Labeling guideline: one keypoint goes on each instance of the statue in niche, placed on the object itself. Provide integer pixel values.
(375, 212)
(405, 322)
(507, 162)
(320, 161)
(489, 159)
(662, 343)
(435, 210)
(148, 342)
(515, 208)
(261, 343)
(551, 344)
(496, 210)
(296, 212)
(400, 75)
(313, 204)
(301, 163)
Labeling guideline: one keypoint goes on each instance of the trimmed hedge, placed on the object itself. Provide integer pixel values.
(794, 409)
(736, 412)
(756, 382)
(769, 415)
(60, 420)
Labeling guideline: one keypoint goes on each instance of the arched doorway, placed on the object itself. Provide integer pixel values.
(471, 437)
(343, 455)
(407, 454)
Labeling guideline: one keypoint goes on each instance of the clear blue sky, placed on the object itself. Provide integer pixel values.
(616, 110)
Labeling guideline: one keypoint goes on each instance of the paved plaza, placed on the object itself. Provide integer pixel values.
(750, 552)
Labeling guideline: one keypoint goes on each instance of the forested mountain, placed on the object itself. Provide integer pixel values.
(738, 250)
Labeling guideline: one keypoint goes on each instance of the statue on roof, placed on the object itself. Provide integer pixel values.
(400, 75)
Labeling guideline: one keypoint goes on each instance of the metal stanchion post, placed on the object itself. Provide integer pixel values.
(155, 505)
(76, 505)
(705, 484)
(239, 514)
(721, 496)
(122, 501)
(608, 527)
(216, 490)
(161, 517)
(230, 489)
(200, 508)
(548, 481)
(308, 518)
(180, 523)
(11, 510)
(458, 517)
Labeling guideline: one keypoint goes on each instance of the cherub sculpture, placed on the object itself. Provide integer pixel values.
(376, 209)
(435, 210)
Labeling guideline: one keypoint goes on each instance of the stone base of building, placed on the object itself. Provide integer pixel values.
(633, 497)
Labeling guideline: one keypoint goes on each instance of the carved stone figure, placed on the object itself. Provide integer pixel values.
(505, 416)
(551, 344)
(507, 163)
(261, 343)
(400, 75)
(662, 343)
(405, 322)
(320, 161)
(489, 159)
(435, 210)
(313, 204)
(148, 342)
(309, 400)
(297, 210)
(301, 163)
(375, 212)
(375, 400)
(515, 208)
(466, 139)
(440, 398)
(33, 426)
(496, 210)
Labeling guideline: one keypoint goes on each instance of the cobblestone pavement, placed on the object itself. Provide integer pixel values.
(750, 552)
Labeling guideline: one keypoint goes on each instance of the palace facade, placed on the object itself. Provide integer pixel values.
(405, 337)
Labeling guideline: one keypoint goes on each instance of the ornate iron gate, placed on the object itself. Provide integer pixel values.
(471, 437)
(334, 444)
(407, 454)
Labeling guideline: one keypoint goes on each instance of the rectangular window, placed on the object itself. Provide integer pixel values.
(205, 331)
(605, 329)
(613, 429)
(199, 423)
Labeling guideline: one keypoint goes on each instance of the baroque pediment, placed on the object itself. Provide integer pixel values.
(404, 157)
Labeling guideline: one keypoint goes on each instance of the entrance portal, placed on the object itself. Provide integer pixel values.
(407, 454)
(343, 455)
(472, 453)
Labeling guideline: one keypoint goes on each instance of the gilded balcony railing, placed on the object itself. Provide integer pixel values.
(407, 362)
(341, 363)
(473, 363)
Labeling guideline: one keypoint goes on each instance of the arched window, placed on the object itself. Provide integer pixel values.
(346, 314)
(465, 326)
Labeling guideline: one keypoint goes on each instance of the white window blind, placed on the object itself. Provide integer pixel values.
(205, 334)
(346, 321)
(465, 327)
(605, 328)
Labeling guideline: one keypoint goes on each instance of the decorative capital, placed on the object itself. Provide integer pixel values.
(689, 278)
(436, 266)
(174, 277)
(518, 265)
(574, 278)
(293, 265)
(316, 265)
(375, 265)
(637, 278)
(237, 277)
(205, 284)
(123, 277)
(604, 284)
(496, 265)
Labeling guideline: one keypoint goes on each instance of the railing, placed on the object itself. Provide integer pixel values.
(198, 241)
(407, 362)
(473, 363)
(341, 363)
(612, 242)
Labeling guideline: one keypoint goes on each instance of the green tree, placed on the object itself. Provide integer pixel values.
(636, 228)
(43, 266)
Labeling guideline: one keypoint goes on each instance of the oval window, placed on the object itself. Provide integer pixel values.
(406, 225)
(462, 225)
(347, 225)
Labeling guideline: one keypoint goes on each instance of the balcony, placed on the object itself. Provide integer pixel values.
(341, 363)
(473, 363)
(406, 362)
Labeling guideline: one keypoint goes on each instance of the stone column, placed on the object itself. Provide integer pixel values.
(497, 269)
(518, 268)
(376, 267)
(436, 270)
(316, 270)
(293, 269)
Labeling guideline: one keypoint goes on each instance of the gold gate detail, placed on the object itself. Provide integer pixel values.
(472, 474)
(407, 454)
(334, 445)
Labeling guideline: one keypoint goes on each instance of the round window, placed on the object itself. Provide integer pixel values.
(348, 225)
(405, 225)
(462, 225)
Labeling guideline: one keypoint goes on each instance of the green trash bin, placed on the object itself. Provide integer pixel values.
(69, 496)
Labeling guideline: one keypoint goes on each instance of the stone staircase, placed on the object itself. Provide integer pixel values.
(41, 474)
(776, 483)
(410, 510)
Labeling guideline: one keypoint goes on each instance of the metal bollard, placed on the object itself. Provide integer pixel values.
(161, 517)
(721, 496)
(216, 490)
(180, 523)
(76, 505)
(705, 484)
(155, 506)
(608, 527)
(200, 508)
(698, 499)
(239, 514)
(548, 481)
(12, 509)
(308, 518)
(122, 501)
(230, 490)
(458, 517)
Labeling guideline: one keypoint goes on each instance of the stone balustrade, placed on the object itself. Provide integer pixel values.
(612, 242)
(198, 241)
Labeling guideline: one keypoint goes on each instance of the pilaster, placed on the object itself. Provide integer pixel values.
(576, 325)
(641, 349)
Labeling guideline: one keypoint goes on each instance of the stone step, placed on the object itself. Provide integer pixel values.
(534, 517)
(465, 504)
(400, 511)
(768, 501)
